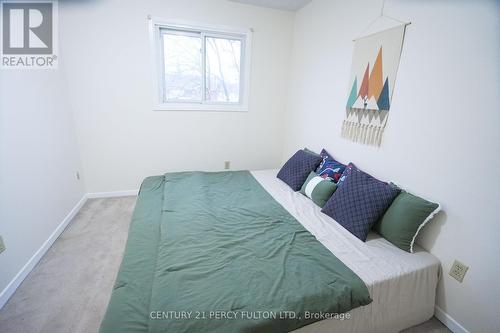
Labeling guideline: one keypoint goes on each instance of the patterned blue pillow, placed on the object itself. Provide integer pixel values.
(297, 168)
(330, 168)
(348, 170)
(360, 202)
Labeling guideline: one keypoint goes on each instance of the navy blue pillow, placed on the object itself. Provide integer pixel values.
(297, 168)
(360, 202)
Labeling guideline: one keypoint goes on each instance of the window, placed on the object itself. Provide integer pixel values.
(200, 68)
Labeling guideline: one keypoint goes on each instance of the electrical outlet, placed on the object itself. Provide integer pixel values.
(227, 165)
(458, 271)
(2, 245)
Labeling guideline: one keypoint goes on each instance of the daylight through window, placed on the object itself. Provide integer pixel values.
(203, 69)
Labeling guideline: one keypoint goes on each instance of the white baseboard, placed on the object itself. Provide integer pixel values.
(448, 321)
(445, 318)
(112, 194)
(21, 275)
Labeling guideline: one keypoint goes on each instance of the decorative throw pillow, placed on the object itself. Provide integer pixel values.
(405, 217)
(329, 167)
(360, 202)
(307, 150)
(295, 171)
(318, 189)
(347, 171)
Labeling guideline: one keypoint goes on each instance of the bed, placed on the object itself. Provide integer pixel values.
(267, 260)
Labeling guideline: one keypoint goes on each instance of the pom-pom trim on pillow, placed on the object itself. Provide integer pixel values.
(427, 220)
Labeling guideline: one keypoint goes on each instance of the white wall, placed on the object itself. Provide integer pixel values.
(442, 139)
(38, 164)
(105, 46)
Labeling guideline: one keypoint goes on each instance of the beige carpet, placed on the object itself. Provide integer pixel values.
(68, 291)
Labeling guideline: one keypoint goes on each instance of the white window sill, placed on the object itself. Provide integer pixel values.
(201, 107)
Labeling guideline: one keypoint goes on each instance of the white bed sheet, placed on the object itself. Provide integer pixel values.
(402, 285)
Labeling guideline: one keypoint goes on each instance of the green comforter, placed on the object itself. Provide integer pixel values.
(214, 252)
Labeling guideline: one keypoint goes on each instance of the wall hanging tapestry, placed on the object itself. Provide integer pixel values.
(375, 63)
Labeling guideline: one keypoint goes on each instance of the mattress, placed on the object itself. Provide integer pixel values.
(215, 252)
(402, 285)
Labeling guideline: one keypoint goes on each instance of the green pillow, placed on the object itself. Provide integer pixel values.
(405, 217)
(311, 152)
(318, 189)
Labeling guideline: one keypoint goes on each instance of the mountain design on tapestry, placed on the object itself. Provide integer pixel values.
(373, 93)
(375, 62)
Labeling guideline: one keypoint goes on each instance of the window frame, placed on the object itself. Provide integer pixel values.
(158, 27)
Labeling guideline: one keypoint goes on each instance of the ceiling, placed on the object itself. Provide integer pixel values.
(278, 4)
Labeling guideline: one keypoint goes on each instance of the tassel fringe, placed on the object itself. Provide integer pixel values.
(362, 133)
